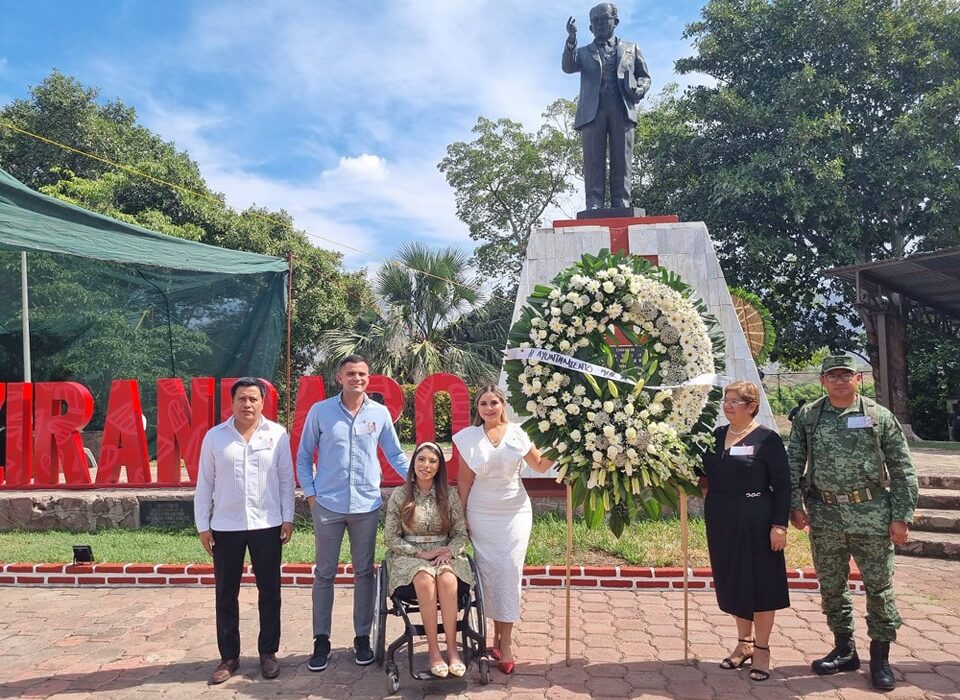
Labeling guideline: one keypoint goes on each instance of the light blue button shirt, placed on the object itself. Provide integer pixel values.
(347, 474)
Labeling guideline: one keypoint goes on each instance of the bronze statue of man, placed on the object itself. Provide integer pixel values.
(613, 80)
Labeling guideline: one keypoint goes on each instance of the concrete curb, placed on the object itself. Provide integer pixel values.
(301, 575)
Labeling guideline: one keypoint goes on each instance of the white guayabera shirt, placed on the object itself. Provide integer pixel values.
(244, 485)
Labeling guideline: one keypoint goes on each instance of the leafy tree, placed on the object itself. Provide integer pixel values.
(426, 298)
(505, 180)
(828, 138)
(65, 111)
(934, 378)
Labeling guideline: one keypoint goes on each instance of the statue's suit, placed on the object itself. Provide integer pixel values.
(602, 120)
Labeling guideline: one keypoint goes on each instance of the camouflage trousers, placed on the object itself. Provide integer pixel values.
(874, 557)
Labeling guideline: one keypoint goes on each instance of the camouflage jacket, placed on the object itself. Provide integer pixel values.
(844, 460)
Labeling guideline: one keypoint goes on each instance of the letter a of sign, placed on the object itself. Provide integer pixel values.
(124, 440)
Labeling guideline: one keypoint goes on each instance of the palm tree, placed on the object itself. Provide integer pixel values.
(430, 319)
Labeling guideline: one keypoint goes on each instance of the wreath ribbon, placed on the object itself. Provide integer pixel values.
(560, 360)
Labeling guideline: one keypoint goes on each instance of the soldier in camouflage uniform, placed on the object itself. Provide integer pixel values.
(854, 484)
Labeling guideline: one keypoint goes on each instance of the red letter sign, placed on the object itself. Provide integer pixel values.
(124, 440)
(181, 425)
(63, 410)
(19, 466)
(426, 423)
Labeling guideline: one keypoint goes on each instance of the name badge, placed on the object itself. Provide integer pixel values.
(741, 451)
(262, 443)
(854, 422)
(365, 427)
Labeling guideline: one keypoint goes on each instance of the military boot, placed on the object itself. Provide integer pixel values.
(843, 657)
(881, 675)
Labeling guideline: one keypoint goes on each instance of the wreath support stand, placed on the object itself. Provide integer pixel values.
(684, 544)
(569, 560)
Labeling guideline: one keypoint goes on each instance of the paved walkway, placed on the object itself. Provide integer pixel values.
(150, 643)
(931, 462)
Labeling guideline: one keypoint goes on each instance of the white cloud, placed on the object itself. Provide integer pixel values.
(362, 169)
(339, 114)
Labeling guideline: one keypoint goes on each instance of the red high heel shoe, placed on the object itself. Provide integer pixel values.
(507, 666)
(493, 653)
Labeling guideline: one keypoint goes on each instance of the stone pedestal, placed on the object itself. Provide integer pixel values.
(682, 247)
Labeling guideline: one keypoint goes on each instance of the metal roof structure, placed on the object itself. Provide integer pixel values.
(922, 289)
(929, 282)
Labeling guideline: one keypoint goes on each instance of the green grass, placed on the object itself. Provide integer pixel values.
(648, 543)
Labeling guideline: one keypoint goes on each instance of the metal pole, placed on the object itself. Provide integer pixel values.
(25, 305)
(569, 559)
(289, 322)
(685, 545)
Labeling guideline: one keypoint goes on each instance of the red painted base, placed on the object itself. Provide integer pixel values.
(618, 221)
(620, 229)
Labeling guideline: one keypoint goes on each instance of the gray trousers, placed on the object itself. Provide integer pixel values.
(328, 530)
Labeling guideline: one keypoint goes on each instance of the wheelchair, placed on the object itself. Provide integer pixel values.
(471, 627)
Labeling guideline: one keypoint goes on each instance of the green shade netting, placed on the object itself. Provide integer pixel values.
(109, 300)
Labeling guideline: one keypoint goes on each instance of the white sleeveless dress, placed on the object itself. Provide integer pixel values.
(499, 515)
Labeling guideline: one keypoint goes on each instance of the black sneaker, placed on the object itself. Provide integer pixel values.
(362, 650)
(321, 652)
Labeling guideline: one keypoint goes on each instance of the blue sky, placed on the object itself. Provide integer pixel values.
(335, 112)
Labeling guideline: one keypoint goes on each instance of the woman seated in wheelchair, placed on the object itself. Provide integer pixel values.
(425, 534)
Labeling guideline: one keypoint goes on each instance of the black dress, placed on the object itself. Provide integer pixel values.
(749, 491)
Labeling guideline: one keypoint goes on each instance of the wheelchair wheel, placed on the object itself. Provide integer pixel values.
(476, 621)
(393, 677)
(378, 634)
(484, 665)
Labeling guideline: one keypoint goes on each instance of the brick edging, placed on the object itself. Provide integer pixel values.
(552, 576)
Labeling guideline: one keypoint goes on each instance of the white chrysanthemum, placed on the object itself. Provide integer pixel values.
(636, 434)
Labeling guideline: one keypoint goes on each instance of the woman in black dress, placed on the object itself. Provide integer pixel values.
(746, 508)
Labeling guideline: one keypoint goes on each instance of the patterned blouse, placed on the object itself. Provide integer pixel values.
(403, 544)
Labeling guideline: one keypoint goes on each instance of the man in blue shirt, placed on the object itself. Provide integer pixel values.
(343, 493)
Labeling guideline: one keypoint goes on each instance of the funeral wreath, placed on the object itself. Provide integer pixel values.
(613, 367)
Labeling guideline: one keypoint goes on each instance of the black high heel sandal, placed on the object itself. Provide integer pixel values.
(729, 663)
(759, 674)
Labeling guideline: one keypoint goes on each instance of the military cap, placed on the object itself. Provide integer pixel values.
(838, 362)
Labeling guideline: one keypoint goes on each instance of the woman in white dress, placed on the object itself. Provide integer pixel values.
(499, 515)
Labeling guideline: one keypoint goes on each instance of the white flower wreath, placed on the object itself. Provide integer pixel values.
(623, 425)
